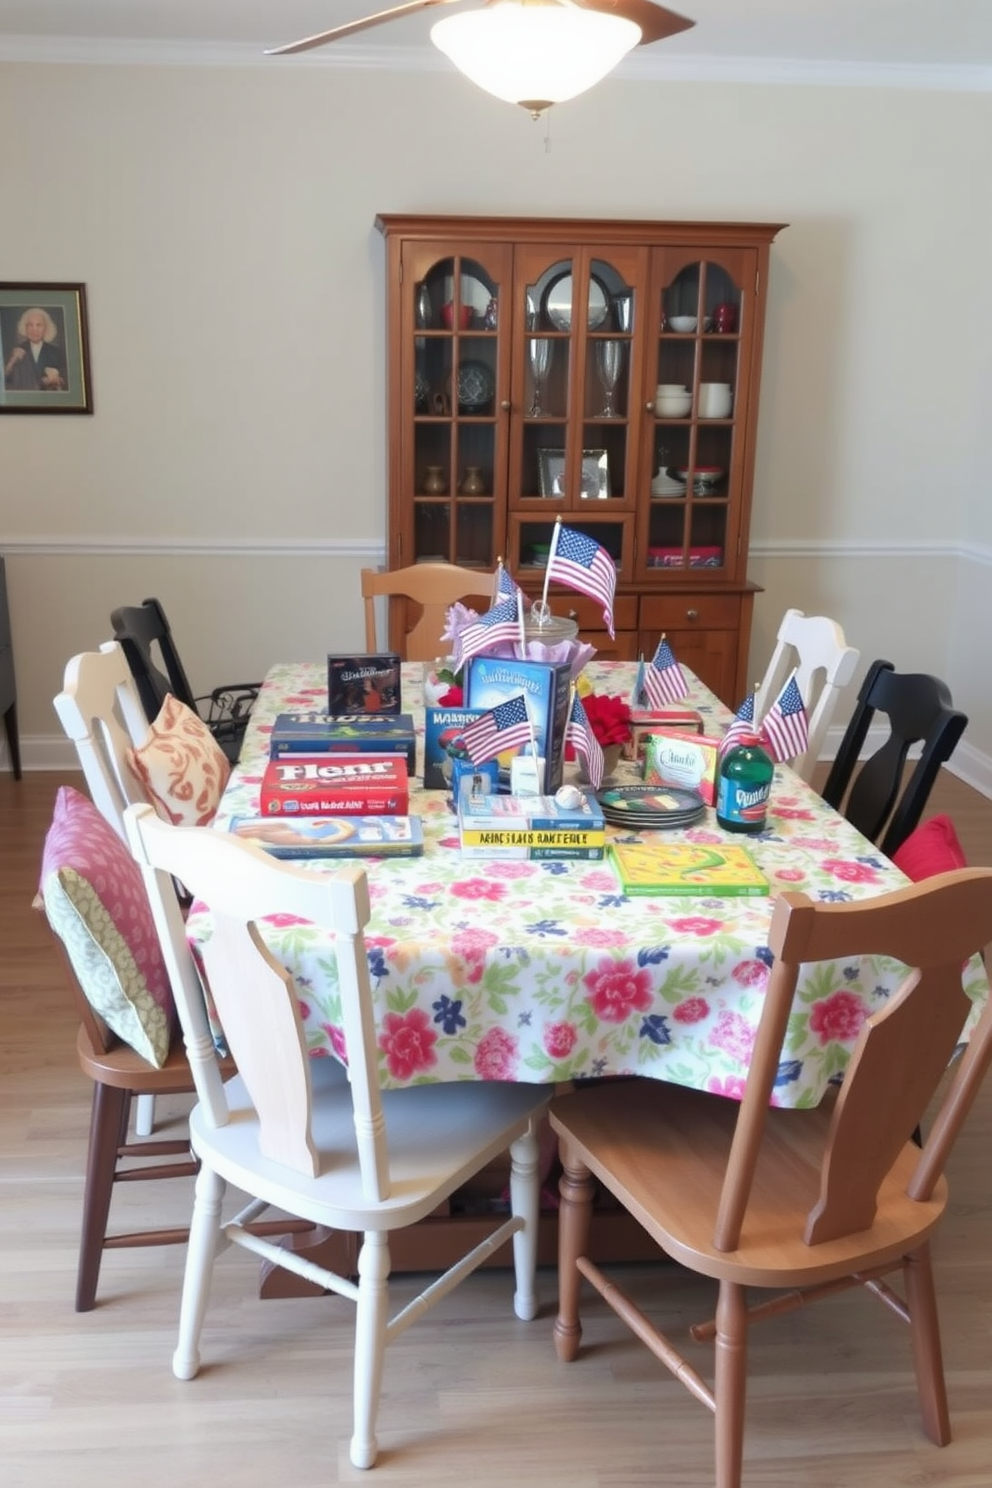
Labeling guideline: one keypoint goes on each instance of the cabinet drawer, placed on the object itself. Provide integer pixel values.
(589, 612)
(695, 611)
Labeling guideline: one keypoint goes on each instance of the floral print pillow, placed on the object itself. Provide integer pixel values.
(96, 903)
(181, 767)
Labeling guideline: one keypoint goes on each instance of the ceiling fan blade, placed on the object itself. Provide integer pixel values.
(411, 7)
(655, 22)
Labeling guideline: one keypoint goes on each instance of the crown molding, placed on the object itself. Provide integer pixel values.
(683, 68)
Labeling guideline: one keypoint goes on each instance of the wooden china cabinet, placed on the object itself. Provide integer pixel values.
(524, 356)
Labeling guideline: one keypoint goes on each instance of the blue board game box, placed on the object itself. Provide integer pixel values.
(442, 729)
(349, 733)
(546, 687)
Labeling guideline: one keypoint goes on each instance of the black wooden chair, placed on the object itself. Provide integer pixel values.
(884, 802)
(146, 639)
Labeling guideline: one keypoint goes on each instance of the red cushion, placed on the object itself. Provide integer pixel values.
(932, 848)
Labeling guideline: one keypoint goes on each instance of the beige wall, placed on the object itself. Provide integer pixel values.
(222, 220)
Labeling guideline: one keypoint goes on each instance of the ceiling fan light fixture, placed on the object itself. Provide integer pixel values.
(535, 54)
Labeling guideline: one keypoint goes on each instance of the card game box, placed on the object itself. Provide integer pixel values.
(494, 826)
(644, 721)
(349, 733)
(442, 728)
(678, 758)
(546, 688)
(333, 836)
(368, 682)
(332, 784)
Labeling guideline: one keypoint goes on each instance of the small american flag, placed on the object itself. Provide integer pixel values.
(579, 733)
(506, 588)
(504, 727)
(501, 623)
(580, 563)
(785, 727)
(742, 726)
(664, 680)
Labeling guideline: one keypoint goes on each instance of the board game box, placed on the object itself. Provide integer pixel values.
(442, 729)
(348, 733)
(546, 687)
(335, 784)
(333, 836)
(368, 682)
(494, 826)
(681, 868)
(673, 757)
(645, 721)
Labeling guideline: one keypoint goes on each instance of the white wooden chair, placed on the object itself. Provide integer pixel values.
(101, 713)
(813, 647)
(426, 590)
(293, 1132)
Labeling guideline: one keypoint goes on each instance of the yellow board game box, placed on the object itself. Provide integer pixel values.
(686, 868)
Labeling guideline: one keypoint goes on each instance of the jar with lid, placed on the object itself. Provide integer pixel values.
(744, 785)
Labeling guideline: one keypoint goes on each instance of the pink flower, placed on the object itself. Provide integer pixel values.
(692, 1010)
(850, 872)
(335, 1037)
(838, 1018)
(478, 888)
(560, 1039)
(694, 925)
(734, 1035)
(793, 813)
(511, 870)
(750, 973)
(616, 989)
(473, 944)
(497, 1055)
(601, 880)
(596, 935)
(408, 1040)
(732, 1086)
(790, 875)
(284, 919)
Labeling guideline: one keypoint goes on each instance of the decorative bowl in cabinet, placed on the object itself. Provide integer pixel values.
(682, 323)
(476, 386)
(704, 477)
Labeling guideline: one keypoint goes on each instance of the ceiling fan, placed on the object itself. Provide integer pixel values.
(512, 47)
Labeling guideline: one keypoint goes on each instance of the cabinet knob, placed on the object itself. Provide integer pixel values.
(573, 614)
(506, 405)
(649, 408)
(692, 614)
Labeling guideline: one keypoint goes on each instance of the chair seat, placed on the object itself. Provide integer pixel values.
(452, 1131)
(671, 1178)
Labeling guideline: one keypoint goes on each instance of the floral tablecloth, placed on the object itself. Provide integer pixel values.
(544, 971)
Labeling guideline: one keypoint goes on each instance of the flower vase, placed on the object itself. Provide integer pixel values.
(611, 758)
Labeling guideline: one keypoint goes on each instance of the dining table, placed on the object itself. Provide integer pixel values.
(545, 972)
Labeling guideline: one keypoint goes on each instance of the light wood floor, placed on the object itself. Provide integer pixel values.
(471, 1395)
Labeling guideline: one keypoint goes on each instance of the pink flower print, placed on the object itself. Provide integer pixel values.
(750, 973)
(512, 870)
(703, 835)
(408, 1040)
(284, 919)
(814, 844)
(598, 879)
(794, 813)
(695, 925)
(473, 944)
(496, 1055)
(732, 1086)
(560, 1039)
(450, 842)
(429, 888)
(597, 935)
(734, 1036)
(692, 1010)
(478, 888)
(617, 989)
(851, 872)
(838, 1018)
(790, 875)
(335, 1037)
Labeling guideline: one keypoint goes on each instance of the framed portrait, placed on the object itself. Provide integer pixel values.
(44, 349)
(595, 473)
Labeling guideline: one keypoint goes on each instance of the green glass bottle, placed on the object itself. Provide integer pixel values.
(743, 787)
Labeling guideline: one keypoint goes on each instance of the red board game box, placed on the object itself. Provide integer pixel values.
(323, 784)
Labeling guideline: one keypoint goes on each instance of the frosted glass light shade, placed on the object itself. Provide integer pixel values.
(535, 55)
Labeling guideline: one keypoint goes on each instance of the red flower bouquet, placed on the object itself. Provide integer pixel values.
(609, 717)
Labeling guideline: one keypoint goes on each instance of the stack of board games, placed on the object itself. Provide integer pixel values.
(368, 682)
(545, 686)
(349, 733)
(335, 785)
(494, 826)
(333, 836)
(684, 868)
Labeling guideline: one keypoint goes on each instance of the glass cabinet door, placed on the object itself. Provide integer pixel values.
(576, 416)
(694, 441)
(455, 380)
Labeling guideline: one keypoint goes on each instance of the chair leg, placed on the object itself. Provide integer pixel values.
(370, 1343)
(927, 1356)
(574, 1220)
(108, 1110)
(204, 1234)
(525, 1200)
(144, 1116)
(731, 1383)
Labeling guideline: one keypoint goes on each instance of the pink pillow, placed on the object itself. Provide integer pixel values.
(932, 847)
(181, 767)
(96, 903)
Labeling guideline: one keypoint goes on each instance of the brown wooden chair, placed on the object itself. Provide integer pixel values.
(422, 594)
(804, 1203)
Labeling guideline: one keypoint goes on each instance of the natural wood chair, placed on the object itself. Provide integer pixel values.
(294, 1132)
(422, 594)
(880, 798)
(812, 646)
(805, 1203)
